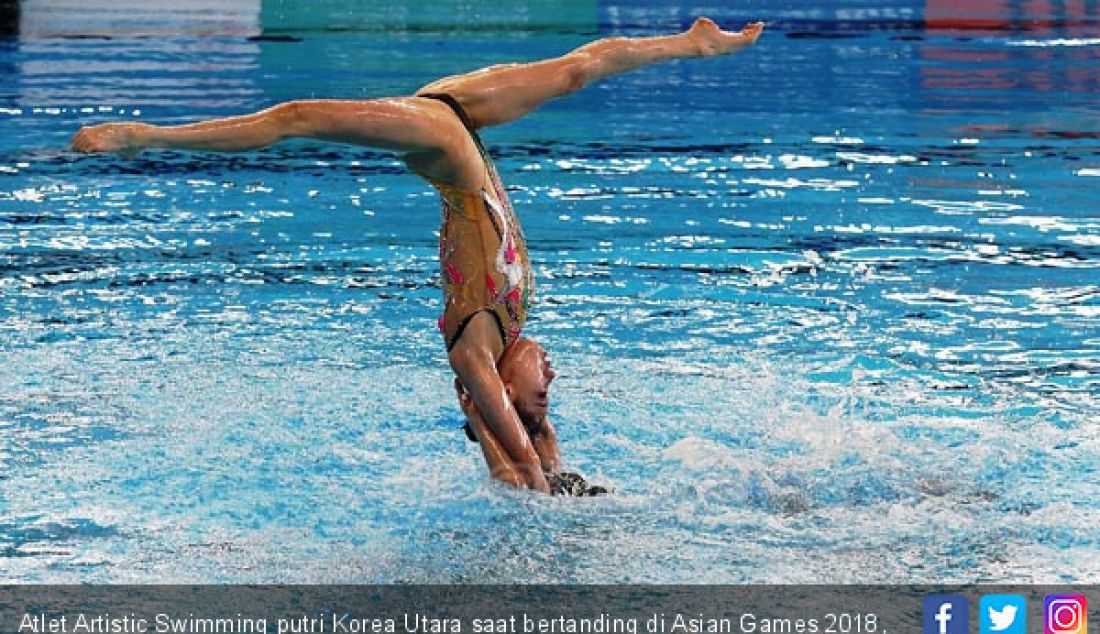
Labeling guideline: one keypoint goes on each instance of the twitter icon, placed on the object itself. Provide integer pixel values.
(1003, 614)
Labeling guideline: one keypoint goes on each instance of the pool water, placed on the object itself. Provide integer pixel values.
(825, 311)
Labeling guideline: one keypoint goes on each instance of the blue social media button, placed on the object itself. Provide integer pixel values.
(945, 614)
(1003, 614)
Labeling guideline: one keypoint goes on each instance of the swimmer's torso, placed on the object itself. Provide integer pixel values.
(482, 255)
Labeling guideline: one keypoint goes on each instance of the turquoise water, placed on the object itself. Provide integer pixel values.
(824, 311)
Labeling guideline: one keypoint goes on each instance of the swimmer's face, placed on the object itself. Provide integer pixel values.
(527, 373)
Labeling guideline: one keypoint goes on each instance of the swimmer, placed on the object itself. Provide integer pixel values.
(486, 274)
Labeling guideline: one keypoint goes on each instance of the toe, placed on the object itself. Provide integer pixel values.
(753, 31)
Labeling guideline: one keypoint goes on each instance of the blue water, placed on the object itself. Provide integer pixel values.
(825, 311)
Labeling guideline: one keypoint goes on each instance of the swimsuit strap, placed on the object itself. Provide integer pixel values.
(468, 124)
(458, 109)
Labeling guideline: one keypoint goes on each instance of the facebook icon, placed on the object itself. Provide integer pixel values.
(945, 614)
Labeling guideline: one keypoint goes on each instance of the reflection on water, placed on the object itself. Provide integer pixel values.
(805, 304)
(153, 19)
(1042, 18)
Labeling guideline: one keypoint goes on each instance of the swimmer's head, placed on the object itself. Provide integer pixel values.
(526, 372)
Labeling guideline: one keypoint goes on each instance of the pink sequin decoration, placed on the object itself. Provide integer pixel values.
(452, 273)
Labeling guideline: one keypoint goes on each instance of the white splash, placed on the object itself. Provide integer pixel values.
(1075, 42)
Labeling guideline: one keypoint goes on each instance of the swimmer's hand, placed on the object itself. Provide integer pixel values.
(714, 41)
(574, 484)
(122, 138)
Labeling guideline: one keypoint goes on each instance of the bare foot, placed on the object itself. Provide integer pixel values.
(108, 137)
(714, 41)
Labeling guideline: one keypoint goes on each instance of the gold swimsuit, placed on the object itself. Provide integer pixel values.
(482, 254)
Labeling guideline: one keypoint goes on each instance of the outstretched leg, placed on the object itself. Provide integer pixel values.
(500, 94)
(423, 131)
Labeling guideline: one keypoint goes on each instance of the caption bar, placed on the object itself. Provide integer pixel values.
(347, 623)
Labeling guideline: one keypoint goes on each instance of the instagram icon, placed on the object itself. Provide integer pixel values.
(1065, 614)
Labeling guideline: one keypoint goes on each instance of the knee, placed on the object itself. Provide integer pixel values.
(290, 115)
(579, 71)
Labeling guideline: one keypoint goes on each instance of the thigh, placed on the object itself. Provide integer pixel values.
(499, 94)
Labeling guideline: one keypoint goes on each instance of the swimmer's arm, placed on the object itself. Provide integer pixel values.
(546, 446)
(502, 422)
(475, 366)
(500, 464)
